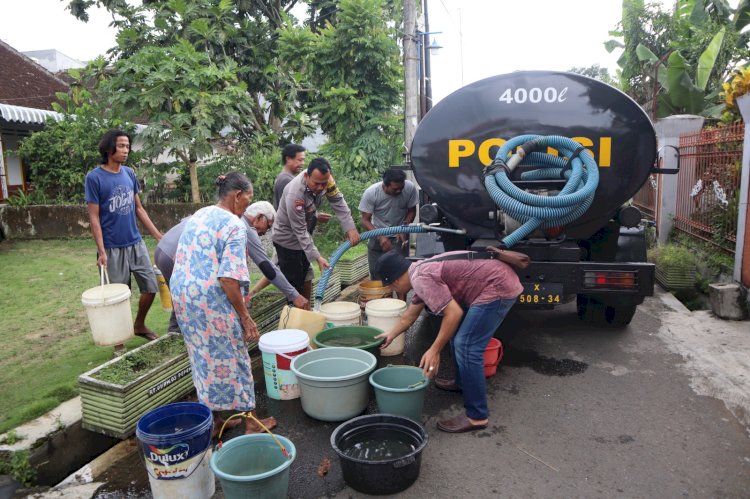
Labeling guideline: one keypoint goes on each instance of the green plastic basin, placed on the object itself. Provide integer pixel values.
(362, 337)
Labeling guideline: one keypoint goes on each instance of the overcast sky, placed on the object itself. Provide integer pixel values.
(480, 38)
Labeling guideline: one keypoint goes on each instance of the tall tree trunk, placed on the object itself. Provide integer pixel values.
(194, 181)
(192, 163)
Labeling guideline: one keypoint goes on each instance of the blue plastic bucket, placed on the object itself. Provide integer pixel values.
(254, 466)
(176, 445)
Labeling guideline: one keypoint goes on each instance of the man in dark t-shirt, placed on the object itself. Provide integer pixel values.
(293, 159)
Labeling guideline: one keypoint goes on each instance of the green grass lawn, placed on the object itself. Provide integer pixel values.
(45, 333)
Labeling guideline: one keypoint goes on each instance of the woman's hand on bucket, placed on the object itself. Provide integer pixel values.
(250, 329)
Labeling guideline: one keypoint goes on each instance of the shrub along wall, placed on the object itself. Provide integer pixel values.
(57, 221)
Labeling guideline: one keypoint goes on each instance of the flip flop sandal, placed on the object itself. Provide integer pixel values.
(149, 336)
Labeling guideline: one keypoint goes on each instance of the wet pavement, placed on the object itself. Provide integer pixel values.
(128, 478)
(576, 411)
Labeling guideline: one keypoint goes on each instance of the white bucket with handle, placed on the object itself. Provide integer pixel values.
(278, 349)
(108, 309)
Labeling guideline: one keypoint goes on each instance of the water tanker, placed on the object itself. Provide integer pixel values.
(491, 159)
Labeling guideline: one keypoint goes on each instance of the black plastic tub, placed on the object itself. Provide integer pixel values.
(379, 453)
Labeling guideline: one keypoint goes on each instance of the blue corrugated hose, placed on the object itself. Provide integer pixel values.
(533, 211)
(388, 231)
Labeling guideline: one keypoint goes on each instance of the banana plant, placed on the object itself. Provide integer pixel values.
(683, 91)
(675, 62)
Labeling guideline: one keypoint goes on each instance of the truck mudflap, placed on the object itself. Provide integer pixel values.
(552, 283)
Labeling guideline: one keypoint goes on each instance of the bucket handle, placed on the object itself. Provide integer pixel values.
(103, 274)
(499, 355)
(404, 462)
(413, 385)
(247, 415)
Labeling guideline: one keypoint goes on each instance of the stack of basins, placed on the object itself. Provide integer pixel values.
(353, 270)
(333, 288)
(265, 309)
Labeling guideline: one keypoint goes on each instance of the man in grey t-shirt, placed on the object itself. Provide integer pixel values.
(387, 204)
(293, 159)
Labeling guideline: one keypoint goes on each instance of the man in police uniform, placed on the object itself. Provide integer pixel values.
(296, 218)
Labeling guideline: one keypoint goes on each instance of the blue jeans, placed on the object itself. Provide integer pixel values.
(468, 344)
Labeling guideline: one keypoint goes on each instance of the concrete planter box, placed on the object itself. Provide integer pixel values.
(114, 410)
(675, 278)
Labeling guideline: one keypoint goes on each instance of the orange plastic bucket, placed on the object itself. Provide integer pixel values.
(493, 354)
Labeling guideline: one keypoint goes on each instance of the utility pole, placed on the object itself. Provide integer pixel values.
(425, 56)
(411, 108)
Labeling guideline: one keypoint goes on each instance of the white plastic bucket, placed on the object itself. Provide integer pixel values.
(108, 309)
(384, 313)
(342, 313)
(278, 349)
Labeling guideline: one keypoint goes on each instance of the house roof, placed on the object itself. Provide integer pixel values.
(26, 115)
(53, 60)
(24, 82)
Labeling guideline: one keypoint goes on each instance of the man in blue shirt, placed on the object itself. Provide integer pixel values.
(113, 205)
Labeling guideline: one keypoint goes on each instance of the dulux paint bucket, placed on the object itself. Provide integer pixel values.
(175, 442)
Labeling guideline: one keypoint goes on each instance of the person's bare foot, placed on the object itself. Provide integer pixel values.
(253, 427)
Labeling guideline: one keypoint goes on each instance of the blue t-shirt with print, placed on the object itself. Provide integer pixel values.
(115, 195)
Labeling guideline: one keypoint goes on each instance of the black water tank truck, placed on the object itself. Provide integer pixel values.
(599, 259)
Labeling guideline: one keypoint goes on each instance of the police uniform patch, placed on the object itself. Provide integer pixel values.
(299, 204)
(331, 189)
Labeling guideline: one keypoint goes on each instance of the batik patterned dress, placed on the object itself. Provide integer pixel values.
(213, 246)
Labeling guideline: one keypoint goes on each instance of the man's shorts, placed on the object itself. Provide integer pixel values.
(121, 262)
(294, 265)
(310, 272)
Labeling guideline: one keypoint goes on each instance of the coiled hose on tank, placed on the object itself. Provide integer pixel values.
(388, 231)
(574, 164)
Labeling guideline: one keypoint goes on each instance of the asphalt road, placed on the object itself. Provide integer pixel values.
(576, 411)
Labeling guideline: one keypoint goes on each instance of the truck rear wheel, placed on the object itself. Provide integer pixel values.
(619, 315)
(594, 309)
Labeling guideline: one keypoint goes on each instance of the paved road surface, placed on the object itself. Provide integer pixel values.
(576, 411)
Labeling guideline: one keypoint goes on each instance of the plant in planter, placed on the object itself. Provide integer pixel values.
(675, 267)
(116, 394)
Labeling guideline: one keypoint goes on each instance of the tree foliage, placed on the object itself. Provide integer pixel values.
(596, 72)
(675, 62)
(60, 155)
(351, 80)
(186, 98)
(240, 31)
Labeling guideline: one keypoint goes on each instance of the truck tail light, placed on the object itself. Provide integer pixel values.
(610, 279)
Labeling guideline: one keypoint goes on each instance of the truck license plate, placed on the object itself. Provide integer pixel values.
(546, 293)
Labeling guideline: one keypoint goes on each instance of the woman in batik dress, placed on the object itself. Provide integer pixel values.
(209, 279)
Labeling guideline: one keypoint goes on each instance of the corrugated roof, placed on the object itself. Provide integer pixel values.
(28, 115)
